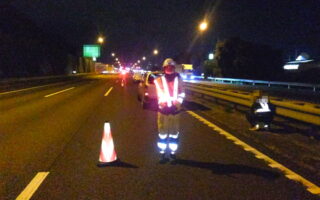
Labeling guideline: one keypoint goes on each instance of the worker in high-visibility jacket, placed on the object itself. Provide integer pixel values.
(261, 113)
(170, 93)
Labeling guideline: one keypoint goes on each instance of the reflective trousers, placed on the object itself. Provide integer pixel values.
(168, 130)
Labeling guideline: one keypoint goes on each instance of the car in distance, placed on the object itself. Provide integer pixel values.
(147, 92)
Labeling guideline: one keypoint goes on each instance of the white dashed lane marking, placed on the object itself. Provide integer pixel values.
(49, 95)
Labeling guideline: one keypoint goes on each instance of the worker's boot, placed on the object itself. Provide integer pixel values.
(162, 158)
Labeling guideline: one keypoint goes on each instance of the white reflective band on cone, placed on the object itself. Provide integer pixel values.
(162, 146)
(173, 146)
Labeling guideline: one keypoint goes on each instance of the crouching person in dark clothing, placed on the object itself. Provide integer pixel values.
(261, 113)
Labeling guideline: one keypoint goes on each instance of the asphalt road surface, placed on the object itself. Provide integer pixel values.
(56, 132)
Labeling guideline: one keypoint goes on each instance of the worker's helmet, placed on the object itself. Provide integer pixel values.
(169, 66)
(168, 62)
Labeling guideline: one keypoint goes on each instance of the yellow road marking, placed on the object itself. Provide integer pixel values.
(107, 93)
(49, 95)
(32, 186)
(311, 187)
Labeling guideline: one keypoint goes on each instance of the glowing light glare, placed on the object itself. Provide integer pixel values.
(74, 71)
(143, 58)
(162, 145)
(162, 136)
(300, 57)
(155, 52)
(94, 59)
(113, 54)
(175, 136)
(100, 40)
(203, 26)
(138, 61)
(211, 56)
(117, 59)
(173, 146)
(291, 66)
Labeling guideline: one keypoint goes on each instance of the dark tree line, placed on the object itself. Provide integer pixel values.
(25, 50)
(236, 58)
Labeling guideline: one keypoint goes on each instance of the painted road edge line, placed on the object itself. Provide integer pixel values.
(49, 95)
(26, 89)
(107, 93)
(32, 186)
(311, 187)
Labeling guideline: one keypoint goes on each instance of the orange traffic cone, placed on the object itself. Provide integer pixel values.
(107, 153)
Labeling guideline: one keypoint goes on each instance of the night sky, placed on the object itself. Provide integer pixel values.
(134, 28)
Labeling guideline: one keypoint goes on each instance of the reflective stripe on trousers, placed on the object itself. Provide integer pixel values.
(168, 129)
(164, 142)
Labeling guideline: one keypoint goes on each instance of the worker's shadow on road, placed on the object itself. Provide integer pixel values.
(190, 105)
(229, 169)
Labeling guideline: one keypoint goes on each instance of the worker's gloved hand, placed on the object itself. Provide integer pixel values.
(177, 104)
(162, 105)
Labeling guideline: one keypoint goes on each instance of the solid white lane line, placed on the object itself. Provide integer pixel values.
(311, 187)
(31, 188)
(49, 95)
(25, 89)
(107, 93)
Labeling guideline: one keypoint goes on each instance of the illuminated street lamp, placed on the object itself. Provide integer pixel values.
(117, 59)
(100, 40)
(155, 52)
(138, 61)
(143, 58)
(113, 54)
(203, 26)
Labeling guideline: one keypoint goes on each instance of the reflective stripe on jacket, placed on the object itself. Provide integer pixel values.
(169, 91)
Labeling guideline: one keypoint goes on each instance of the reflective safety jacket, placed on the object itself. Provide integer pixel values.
(262, 111)
(170, 93)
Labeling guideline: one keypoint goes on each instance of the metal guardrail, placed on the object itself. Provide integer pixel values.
(306, 112)
(288, 85)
